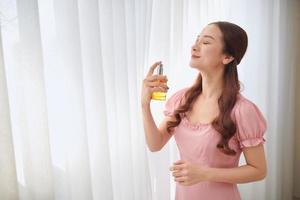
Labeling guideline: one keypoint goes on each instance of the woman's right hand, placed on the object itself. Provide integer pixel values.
(153, 83)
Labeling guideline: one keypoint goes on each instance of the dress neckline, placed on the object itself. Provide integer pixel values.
(194, 126)
(199, 125)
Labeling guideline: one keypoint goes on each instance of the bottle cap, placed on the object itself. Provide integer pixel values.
(160, 69)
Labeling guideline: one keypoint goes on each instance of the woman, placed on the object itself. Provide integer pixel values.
(212, 122)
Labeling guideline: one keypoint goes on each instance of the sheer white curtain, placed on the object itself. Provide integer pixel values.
(71, 71)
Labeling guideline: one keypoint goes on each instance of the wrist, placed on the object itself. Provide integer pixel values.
(207, 173)
(145, 104)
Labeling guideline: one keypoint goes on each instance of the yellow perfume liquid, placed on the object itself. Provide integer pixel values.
(161, 96)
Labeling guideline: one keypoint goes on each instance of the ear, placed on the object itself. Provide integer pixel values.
(227, 59)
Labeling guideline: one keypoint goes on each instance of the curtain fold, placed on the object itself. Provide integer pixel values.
(71, 75)
(8, 182)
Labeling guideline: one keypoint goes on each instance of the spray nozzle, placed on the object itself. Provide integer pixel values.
(160, 69)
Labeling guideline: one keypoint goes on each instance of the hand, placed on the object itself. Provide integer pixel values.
(186, 173)
(153, 83)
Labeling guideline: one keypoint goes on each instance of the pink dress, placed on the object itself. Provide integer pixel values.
(197, 144)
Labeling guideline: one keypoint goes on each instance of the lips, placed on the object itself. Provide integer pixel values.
(194, 56)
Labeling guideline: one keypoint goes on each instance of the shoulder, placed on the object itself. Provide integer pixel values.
(247, 113)
(245, 106)
(181, 91)
(250, 121)
(178, 94)
(174, 100)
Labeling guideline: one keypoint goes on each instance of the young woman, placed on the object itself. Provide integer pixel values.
(211, 121)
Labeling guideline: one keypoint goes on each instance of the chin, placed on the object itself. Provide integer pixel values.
(195, 65)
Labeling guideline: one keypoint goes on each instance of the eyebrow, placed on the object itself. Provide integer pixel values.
(207, 36)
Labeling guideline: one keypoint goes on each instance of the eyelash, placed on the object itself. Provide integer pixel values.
(203, 42)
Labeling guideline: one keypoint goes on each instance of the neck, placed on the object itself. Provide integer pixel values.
(212, 85)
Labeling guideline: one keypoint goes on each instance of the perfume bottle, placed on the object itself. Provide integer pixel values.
(161, 96)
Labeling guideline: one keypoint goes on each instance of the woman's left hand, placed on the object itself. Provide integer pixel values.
(186, 173)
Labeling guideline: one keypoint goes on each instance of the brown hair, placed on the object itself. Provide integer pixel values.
(235, 43)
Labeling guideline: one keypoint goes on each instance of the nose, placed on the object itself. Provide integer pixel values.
(195, 47)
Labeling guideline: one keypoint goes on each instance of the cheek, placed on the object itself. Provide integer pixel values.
(210, 52)
(211, 55)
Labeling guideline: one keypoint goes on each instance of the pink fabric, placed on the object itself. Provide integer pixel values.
(197, 144)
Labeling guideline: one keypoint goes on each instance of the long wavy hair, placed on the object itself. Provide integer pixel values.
(235, 42)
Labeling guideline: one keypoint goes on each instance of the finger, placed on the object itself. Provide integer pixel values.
(157, 84)
(158, 89)
(180, 179)
(152, 84)
(184, 183)
(152, 68)
(176, 167)
(156, 77)
(178, 162)
(164, 86)
(177, 174)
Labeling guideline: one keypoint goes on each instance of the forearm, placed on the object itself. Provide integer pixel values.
(242, 174)
(152, 135)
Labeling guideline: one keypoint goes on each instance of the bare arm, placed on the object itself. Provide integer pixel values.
(187, 173)
(254, 170)
(156, 137)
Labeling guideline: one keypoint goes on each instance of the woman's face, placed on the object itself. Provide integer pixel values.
(207, 52)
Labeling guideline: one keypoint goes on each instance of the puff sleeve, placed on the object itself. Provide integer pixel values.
(251, 124)
(173, 102)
